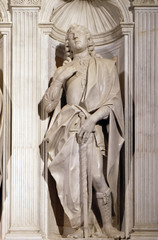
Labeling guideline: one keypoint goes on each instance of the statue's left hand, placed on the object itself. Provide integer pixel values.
(85, 130)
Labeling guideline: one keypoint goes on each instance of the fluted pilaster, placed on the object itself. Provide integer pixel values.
(25, 163)
(146, 115)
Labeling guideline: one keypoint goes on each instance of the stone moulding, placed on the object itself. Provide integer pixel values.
(23, 3)
(145, 2)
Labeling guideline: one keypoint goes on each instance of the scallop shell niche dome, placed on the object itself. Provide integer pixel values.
(99, 16)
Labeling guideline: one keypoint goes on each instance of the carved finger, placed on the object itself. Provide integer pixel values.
(80, 135)
(85, 137)
(81, 132)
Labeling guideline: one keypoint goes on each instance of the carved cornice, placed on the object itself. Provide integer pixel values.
(25, 3)
(145, 3)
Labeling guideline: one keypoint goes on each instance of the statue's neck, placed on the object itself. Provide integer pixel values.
(81, 55)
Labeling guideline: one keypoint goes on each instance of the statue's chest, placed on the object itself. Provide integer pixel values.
(76, 86)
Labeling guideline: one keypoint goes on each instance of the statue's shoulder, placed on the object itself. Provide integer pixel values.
(105, 62)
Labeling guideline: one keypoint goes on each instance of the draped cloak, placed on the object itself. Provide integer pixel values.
(102, 89)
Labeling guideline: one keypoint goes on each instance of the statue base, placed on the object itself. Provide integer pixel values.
(90, 238)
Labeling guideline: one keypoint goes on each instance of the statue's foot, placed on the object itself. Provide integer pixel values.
(77, 234)
(113, 232)
(99, 235)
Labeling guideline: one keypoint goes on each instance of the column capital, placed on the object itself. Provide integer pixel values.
(145, 3)
(25, 3)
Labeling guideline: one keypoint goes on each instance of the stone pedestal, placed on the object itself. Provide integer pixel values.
(85, 238)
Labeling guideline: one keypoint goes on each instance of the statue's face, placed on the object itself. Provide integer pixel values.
(78, 41)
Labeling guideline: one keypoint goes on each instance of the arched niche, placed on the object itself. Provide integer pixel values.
(48, 6)
(115, 42)
(101, 17)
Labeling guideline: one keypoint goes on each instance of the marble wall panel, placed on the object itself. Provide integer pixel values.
(146, 115)
(25, 164)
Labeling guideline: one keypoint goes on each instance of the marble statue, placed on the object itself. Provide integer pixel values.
(75, 138)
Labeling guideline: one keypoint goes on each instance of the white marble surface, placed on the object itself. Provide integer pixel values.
(146, 147)
(141, 182)
(25, 164)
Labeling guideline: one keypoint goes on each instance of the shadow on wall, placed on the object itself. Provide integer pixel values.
(60, 55)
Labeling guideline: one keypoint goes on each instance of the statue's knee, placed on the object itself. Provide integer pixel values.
(97, 182)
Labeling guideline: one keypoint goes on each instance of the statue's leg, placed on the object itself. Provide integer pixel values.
(104, 203)
(103, 195)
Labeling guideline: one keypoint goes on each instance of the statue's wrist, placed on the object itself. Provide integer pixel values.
(94, 118)
(100, 114)
(57, 81)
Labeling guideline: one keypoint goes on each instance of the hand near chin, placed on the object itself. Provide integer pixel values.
(86, 129)
(65, 72)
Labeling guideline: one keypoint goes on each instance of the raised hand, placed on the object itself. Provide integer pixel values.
(64, 73)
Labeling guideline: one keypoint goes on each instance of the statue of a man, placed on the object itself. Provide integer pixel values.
(93, 97)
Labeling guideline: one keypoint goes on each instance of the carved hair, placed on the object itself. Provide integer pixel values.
(69, 54)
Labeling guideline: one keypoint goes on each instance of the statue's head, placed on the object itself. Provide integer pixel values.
(78, 38)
